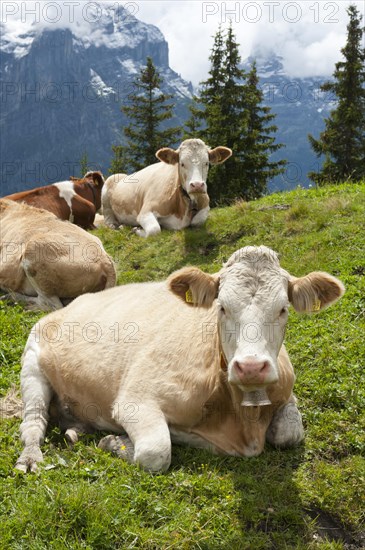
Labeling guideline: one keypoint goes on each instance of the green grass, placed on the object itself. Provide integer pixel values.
(308, 498)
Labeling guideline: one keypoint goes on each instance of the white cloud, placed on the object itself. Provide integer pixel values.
(307, 34)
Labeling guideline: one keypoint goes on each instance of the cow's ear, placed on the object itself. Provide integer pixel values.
(314, 292)
(194, 286)
(219, 155)
(170, 156)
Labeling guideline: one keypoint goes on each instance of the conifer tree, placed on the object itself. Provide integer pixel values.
(148, 108)
(258, 142)
(119, 164)
(230, 105)
(234, 119)
(343, 140)
(206, 107)
(84, 164)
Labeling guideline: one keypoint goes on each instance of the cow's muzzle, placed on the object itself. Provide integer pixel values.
(197, 187)
(252, 371)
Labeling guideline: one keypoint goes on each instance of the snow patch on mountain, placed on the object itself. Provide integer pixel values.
(99, 85)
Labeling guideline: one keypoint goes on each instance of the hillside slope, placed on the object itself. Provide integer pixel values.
(311, 497)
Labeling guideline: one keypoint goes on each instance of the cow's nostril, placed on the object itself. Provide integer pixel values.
(238, 366)
(265, 366)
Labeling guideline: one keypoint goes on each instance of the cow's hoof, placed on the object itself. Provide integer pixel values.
(119, 445)
(138, 231)
(28, 460)
(71, 436)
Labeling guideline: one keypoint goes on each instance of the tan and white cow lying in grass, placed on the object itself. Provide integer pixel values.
(198, 359)
(45, 260)
(171, 193)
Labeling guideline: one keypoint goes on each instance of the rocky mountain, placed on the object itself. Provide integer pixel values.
(300, 107)
(61, 93)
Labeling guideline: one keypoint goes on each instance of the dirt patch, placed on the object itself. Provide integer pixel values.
(331, 529)
(358, 270)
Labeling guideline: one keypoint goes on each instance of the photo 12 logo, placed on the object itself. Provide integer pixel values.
(270, 12)
(55, 12)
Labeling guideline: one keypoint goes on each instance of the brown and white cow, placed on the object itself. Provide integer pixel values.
(76, 200)
(197, 359)
(45, 260)
(171, 193)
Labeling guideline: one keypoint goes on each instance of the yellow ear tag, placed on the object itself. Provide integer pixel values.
(316, 305)
(189, 297)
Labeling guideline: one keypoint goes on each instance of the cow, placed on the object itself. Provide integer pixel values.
(171, 193)
(45, 260)
(76, 200)
(197, 359)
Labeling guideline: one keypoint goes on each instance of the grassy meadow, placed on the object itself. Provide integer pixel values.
(308, 498)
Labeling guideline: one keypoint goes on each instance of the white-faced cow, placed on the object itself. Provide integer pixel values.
(171, 193)
(76, 200)
(45, 260)
(198, 359)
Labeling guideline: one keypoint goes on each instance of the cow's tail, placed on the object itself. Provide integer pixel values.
(11, 406)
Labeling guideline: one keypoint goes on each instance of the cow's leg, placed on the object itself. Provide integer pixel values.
(200, 217)
(43, 301)
(61, 415)
(149, 224)
(84, 212)
(36, 394)
(151, 438)
(148, 431)
(109, 218)
(286, 427)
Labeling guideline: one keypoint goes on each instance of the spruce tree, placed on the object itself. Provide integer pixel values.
(216, 109)
(343, 140)
(148, 108)
(206, 107)
(119, 164)
(230, 105)
(84, 164)
(258, 142)
(234, 119)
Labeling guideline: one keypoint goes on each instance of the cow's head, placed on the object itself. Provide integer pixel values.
(252, 294)
(194, 157)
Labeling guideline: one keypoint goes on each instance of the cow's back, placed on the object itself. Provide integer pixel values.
(66, 260)
(140, 338)
(148, 189)
(46, 197)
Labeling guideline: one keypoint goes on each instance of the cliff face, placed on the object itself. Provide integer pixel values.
(61, 94)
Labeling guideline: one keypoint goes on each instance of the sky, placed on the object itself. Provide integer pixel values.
(308, 34)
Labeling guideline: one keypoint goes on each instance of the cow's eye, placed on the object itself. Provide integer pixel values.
(283, 312)
(222, 310)
(182, 165)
